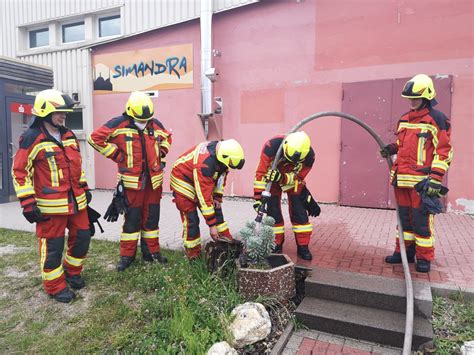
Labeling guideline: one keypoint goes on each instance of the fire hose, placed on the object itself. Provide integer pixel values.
(408, 282)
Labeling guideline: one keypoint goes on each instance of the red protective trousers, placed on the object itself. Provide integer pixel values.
(51, 244)
(190, 219)
(141, 221)
(417, 226)
(301, 226)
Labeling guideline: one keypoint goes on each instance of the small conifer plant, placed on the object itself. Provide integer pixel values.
(258, 244)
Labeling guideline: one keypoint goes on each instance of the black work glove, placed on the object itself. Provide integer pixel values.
(88, 196)
(257, 205)
(119, 204)
(434, 188)
(33, 214)
(120, 199)
(312, 207)
(310, 203)
(387, 151)
(111, 215)
(273, 175)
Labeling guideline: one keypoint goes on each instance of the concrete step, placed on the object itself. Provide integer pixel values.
(368, 290)
(364, 323)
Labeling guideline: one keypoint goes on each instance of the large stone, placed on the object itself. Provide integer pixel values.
(222, 348)
(251, 324)
(468, 348)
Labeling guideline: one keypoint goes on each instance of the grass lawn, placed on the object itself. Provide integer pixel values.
(174, 309)
(453, 323)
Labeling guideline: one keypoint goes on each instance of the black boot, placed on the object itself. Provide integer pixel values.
(304, 253)
(423, 265)
(125, 262)
(64, 296)
(75, 281)
(155, 257)
(277, 249)
(396, 258)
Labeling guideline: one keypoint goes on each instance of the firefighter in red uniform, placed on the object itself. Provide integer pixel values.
(423, 152)
(138, 143)
(52, 189)
(197, 179)
(296, 162)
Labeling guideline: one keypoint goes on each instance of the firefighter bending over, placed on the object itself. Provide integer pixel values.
(295, 163)
(52, 189)
(197, 180)
(424, 154)
(138, 143)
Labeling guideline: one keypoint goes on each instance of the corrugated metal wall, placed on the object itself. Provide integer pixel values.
(140, 15)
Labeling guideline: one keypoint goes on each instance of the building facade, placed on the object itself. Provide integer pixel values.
(277, 62)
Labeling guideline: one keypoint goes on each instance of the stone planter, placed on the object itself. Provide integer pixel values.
(277, 282)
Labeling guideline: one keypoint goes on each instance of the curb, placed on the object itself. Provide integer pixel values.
(441, 290)
(284, 337)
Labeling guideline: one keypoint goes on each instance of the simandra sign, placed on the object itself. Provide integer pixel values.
(161, 68)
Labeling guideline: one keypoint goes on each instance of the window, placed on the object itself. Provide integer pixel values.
(74, 120)
(73, 32)
(39, 38)
(109, 26)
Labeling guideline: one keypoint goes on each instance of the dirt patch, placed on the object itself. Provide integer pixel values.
(14, 272)
(12, 249)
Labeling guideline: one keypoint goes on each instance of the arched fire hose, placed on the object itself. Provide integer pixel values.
(409, 286)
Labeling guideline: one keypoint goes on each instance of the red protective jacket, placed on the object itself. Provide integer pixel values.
(137, 153)
(423, 147)
(293, 175)
(200, 177)
(50, 172)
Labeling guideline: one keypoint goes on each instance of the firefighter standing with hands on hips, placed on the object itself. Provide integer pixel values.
(138, 143)
(296, 162)
(52, 189)
(197, 180)
(424, 154)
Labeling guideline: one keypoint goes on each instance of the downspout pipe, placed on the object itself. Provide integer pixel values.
(407, 343)
(206, 62)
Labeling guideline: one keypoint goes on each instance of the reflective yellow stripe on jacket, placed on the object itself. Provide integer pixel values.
(53, 206)
(182, 187)
(206, 210)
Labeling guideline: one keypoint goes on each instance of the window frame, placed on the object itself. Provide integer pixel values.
(78, 110)
(108, 17)
(72, 24)
(37, 30)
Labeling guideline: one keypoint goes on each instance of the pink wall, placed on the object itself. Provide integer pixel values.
(282, 61)
(176, 109)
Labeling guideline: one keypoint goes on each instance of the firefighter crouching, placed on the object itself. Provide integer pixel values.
(295, 163)
(138, 143)
(52, 189)
(424, 154)
(197, 180)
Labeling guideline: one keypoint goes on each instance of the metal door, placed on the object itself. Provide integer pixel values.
(17, 118)
(363, 173)
(364, 176)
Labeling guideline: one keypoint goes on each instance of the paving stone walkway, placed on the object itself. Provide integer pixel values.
(309, 342)
(344, 238)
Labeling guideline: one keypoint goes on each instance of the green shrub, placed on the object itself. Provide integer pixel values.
(258, 241)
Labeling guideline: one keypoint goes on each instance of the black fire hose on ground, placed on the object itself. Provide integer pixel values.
(409, 286)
